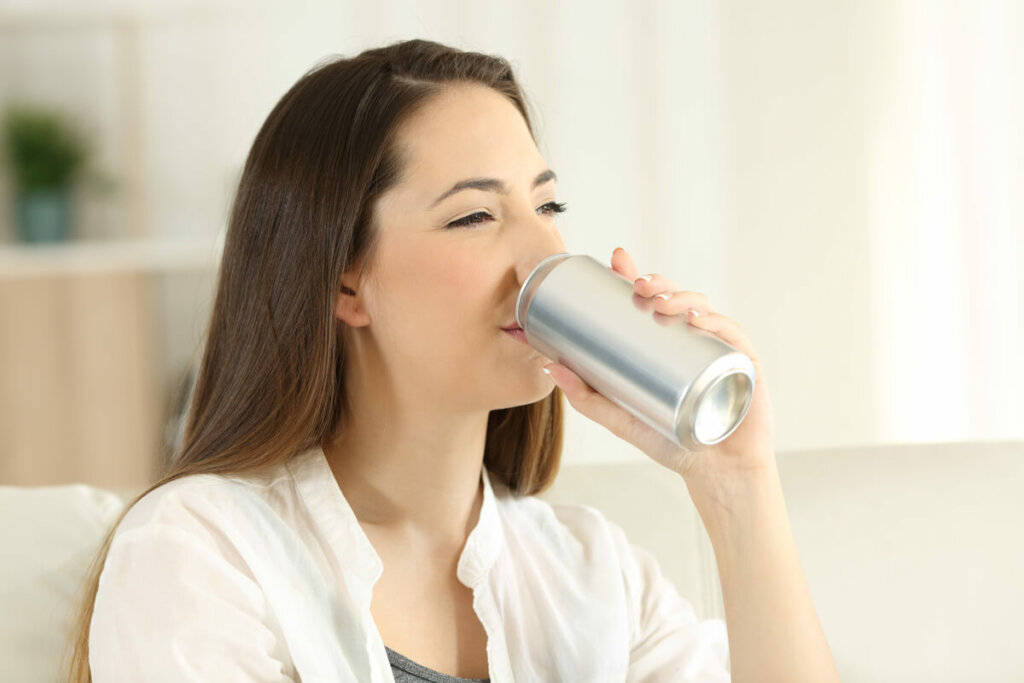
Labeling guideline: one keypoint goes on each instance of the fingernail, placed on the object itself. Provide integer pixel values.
(663, 296)
(645, 278)
(546, 371)
(693, 313)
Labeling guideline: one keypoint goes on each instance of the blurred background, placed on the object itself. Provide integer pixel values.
(844, 179)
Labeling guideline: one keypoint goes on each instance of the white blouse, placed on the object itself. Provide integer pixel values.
(222, 578)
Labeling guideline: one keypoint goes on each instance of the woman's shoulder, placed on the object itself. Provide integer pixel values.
(197, 502)
(582, 523)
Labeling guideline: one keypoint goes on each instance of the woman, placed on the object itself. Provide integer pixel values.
(353, 496)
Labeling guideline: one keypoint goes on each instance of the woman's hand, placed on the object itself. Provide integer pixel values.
(749, 448)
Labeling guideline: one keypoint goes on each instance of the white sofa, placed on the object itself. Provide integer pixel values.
(914, 554)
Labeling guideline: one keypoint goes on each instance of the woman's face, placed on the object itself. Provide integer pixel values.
(452, 256)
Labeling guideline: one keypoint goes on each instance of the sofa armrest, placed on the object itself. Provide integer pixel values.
(48, 538)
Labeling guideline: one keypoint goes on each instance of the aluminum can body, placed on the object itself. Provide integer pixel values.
(682, 381)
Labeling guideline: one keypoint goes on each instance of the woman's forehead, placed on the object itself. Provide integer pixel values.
(463, 132)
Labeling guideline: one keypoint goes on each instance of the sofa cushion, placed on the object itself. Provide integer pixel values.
(913, 553)
(50, 535)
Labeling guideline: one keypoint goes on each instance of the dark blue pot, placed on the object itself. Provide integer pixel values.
(43, 215)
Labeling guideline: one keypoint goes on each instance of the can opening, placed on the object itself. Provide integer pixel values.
(722, 408)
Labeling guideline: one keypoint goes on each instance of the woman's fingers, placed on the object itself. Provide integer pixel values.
(673, 303)
(623, 264)
(668, 300)
(726, 330)
(589, 403)
(650, 285)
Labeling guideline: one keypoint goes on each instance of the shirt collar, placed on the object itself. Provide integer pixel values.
(484, 541)
(334, 516)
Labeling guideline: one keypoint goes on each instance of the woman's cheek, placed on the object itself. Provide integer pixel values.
(458, 274)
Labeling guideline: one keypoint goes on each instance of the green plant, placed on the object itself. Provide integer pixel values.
(41, 148)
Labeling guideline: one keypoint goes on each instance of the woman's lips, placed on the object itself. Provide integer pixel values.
(516, 332)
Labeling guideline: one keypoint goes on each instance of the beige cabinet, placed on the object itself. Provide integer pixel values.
(78, 395)
(82, 393)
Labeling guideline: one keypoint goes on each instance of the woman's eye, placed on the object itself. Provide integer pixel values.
(471, 219)
(551, 208)
(480, 217)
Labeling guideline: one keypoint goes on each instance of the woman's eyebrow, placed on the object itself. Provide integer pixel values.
(491, 185)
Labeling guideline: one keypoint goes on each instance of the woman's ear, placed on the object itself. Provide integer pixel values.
(349, 306)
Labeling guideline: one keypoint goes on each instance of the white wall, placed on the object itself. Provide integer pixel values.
(843, 178)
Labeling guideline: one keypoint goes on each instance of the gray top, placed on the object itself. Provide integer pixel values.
(408, 671)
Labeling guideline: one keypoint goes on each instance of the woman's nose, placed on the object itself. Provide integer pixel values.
(537, 251)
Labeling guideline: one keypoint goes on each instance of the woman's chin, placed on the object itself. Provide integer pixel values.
(524, 394)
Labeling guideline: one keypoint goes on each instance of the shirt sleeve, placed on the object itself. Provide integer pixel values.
(669, 642)
(172, 607)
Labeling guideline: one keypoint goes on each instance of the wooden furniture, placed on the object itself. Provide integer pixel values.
(82, 397)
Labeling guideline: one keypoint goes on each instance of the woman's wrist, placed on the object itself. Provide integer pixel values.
(774, 632)
(737, 501)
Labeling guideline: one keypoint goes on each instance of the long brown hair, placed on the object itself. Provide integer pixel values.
(270, 383)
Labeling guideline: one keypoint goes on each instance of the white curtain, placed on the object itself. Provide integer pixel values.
(948, 228)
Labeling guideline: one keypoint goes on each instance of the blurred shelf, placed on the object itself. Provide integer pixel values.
(36, 14)
(110, 256)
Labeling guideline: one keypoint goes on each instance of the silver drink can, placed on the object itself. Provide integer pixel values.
(683, 381)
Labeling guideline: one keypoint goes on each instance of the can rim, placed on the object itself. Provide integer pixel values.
(738, 419)
(525, 295)
(723, 367)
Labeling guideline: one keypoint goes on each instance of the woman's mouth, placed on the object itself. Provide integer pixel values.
(516, 332)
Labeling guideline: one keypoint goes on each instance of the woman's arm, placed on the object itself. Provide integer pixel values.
(171, 607)
(774, 632)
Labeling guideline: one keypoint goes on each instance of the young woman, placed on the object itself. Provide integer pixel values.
(353, 498)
